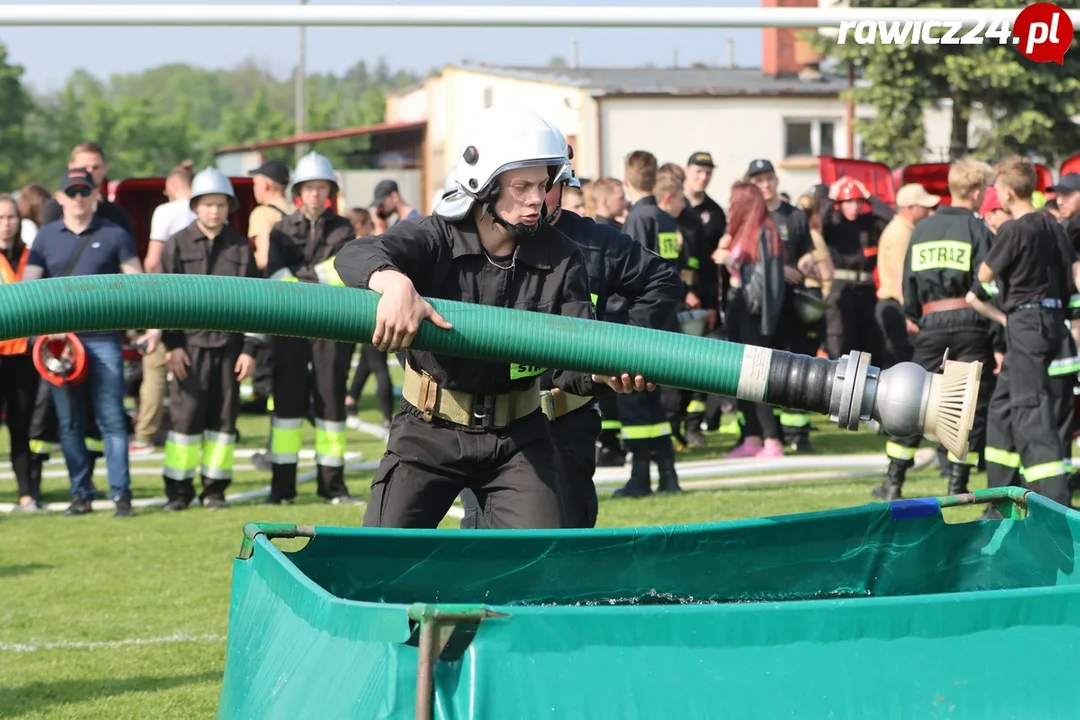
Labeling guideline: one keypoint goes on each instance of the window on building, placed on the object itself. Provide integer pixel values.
(809, 137)
(489, 97)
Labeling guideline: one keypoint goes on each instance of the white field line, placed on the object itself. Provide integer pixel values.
(34, 646)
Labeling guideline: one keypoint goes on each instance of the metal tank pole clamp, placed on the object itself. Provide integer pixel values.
(905, 399)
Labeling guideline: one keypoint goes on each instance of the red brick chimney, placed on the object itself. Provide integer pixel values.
(783, 53)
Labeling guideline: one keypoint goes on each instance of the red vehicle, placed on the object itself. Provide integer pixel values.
(141, 196)
(883, 183)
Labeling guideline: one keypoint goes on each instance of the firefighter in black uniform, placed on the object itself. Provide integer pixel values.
(646, 429)
(468, 423)
(798, 337)
(692, 232)
(942, 259)
(713, 279)
(302, 248)
(616, 265)
(206, 366)
(851, 232)
(1036, 273)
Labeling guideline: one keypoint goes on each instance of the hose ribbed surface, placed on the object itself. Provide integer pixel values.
(190, 302)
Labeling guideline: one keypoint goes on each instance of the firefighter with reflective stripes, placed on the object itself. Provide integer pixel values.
(1036, 273)
(470, 423)
(646, 429)
(617, 266)
(302, 249)
(939, 267)
(851, 232)
(206, 366)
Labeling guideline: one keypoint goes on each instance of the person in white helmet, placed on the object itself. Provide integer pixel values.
(464, 423)
(207, 366)
(302, 249)
(651, 289)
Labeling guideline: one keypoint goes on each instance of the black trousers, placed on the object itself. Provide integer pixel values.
(18, 392)
(760, 420)
(893, 324)
(968, 346)
(202, 432)
(373, 362)
(514, 473)
(575, 437)
(300, 367)
(852, 322)
(1023, 430)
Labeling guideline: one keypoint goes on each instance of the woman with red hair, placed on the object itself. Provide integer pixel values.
(753, 252)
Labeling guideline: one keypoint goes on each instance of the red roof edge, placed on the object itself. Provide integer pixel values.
(313, 137)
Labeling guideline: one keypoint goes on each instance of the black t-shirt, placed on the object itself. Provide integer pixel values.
(794, 229)
(714, 221)
(1032, 259)
(51, 212)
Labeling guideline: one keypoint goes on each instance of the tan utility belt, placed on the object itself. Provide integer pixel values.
(555, 403)
(855, 276)
(469, 409)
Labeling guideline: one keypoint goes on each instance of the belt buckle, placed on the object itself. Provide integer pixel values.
(487, 406)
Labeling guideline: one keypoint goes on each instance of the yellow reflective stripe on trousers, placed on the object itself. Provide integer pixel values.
(285, 440)
(696, 406)
(284, 274)
(270, 404)
(1042, 471)
(896, 451)
(646, 432)
(1002, 457)
(217, 455)
(610, 425)
(41, 447)
(794, 420)
(94, 445)
(329, 443)
(181, 455)
(972, 458)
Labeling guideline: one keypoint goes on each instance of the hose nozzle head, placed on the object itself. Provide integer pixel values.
(939, 406)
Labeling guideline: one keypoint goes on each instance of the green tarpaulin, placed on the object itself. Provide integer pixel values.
(878, 611)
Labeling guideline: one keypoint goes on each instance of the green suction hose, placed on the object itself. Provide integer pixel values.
(844, 389)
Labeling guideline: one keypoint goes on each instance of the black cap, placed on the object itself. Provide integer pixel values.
(273, 169)
(76, 177)
(701, 158)
(760, 167)
(1069, 182)
(383, 190)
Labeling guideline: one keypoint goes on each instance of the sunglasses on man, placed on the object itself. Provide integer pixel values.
(81, 191)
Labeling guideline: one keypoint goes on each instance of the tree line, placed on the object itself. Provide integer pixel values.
(152, 120)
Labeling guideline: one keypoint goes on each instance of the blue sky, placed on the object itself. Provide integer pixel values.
(112, 50)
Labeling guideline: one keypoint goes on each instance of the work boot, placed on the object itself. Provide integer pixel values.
(664, 455)
(122, 505)
(958, 479)
(800, 441)
(639, 484)
(943, 463)
(79, 506)
(889, 489)
(610, 457)
(213, 494)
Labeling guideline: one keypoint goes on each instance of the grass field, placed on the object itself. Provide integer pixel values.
(107, 618)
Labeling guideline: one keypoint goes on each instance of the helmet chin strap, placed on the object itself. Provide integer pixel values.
(515, 230)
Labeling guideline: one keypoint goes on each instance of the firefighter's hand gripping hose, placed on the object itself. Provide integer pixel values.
(906, 400)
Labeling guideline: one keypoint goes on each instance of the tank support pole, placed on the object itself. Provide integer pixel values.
(437, 624)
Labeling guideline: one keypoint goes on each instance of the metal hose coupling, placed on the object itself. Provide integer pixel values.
(908, 400)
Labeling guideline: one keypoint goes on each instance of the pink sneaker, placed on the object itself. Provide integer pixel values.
(747, 448)
(772, 449)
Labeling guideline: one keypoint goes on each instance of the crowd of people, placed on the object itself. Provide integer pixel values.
(836, 271)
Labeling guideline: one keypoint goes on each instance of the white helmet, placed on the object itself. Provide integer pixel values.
(507, 137)
(212, 181)
(453, 203)
(314, 166)
(566, 172)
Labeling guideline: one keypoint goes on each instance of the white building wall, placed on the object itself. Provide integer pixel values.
(735, 130)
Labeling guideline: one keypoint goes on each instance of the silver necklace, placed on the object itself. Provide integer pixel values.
(513, 261)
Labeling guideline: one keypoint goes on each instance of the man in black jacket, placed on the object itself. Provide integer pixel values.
(465, 423)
